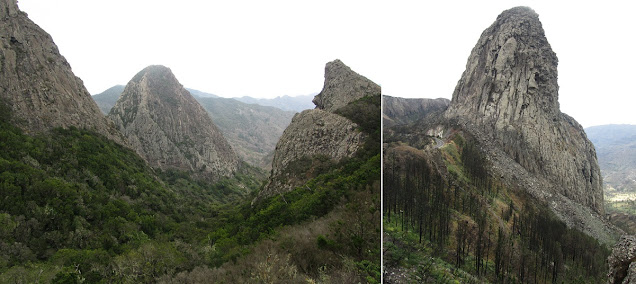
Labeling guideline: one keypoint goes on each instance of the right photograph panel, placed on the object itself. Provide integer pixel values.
(497, 184)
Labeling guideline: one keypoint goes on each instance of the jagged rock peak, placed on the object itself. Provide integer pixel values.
(37, 82)
(9, 8)
(320, 134)
(169, 128)
(509, 89)
(514, 66)
(342, 86)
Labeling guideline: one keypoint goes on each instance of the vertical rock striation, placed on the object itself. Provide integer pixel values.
(169, 128)
(37, 83)
(510, 90)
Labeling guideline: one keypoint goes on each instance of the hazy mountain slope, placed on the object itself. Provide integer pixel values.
(396, 111)
(107, 99)
(297, 103)
(197, 93)
(252, 130)
(616, 150)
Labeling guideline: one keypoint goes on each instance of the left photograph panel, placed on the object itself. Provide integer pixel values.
(182, 170)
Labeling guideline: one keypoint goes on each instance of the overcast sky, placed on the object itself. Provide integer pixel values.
(271, 48)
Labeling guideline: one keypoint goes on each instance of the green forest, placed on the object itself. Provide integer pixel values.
(79, 208)
(446, 219)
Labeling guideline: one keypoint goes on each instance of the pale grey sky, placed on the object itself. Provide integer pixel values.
(594, 41)
(272, 48)
(230, 48)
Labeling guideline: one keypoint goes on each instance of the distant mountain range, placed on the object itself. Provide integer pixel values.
(298, 103)
(616, 150)
(251, 128)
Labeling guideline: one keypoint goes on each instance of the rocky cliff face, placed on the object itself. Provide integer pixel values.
(622, 261)
(342, 86)
(38, 83)
(509, 90)
(169, 128)
(320, 135)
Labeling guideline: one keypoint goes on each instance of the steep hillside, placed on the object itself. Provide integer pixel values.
(106, 100)
(37, 83)
(169, 128)
(449, 217)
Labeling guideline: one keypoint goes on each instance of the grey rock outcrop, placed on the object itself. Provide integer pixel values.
(510, 90)
(622, 261)
(320, 133)
(169, 128)
(342, 86)
(312, 132)
(37, 82)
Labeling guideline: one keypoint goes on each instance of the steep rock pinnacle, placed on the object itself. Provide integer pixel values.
(320, 134)
(509, 89)
(37, 83)
(168, 127)
(342, 86)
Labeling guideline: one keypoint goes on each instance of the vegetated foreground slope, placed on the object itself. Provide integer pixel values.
(78, 206)
(447, 217)
(75, 204)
